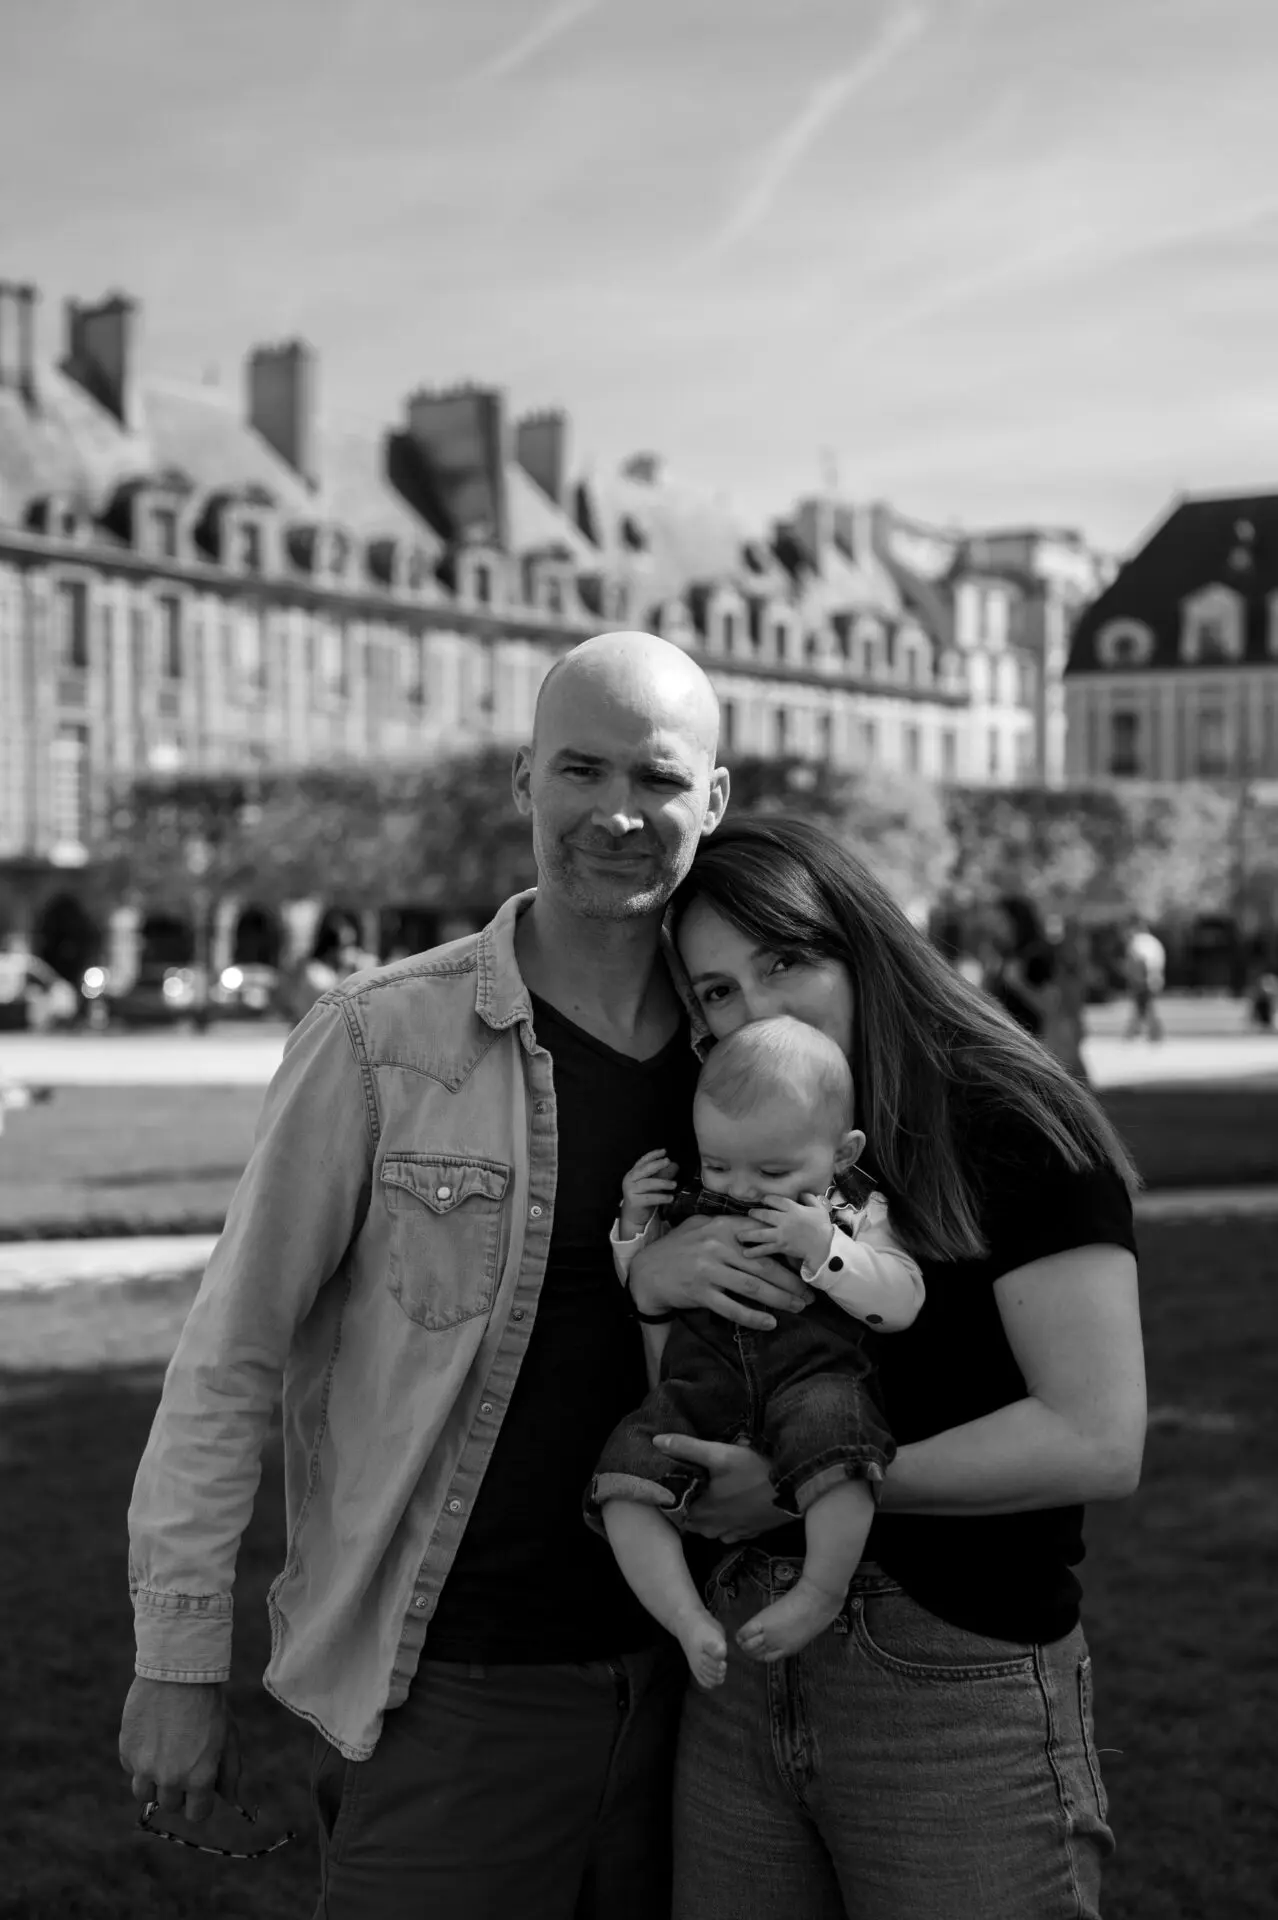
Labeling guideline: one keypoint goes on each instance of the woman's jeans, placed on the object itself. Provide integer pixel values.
(898, 1768)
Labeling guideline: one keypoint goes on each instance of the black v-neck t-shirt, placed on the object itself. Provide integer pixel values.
(1007, 1575)
(531, 1582)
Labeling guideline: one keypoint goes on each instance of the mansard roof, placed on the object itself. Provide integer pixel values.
(1227, 540)
(71, 444)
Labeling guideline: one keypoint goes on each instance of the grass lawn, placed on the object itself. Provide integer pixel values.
(100, 1161)
(1180, 1586)
(125, 1160)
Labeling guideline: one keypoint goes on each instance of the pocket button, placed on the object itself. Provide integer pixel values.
(443, 1193)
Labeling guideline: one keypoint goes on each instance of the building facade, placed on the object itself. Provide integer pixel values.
(1173, 671)
(191, 582)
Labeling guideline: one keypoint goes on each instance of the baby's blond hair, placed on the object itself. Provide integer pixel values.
(780, 1056)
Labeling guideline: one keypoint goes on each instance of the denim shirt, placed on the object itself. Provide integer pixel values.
(383, 1254)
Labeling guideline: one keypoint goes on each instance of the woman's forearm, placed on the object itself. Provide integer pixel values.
(1014, 1460)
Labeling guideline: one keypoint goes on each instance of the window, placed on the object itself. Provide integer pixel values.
(949, 753)
(1124, 742)
(164, 527)
(482, 584)
(727, 726)
(72, 624)
(869, 740)
(912, 666)
(250, 546)
(869, 657)
(728, 631)
(825, 735)
(1212, 626)
(170, 612)
(993, 754)
(1213, 743)
(413, 668)
(1124, 643)
(781, 730)
(554, 594)
(1025, 754)
(780, 638)
(250, 664)
(70, 796)
(332, 659)
(913, 747)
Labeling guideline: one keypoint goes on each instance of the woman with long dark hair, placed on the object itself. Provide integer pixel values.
(930, 1756)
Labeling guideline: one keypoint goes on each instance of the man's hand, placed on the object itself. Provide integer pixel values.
(703, 1264)
(800, 1228)
(738, 1503)
(649, 1184)
(180, 1746)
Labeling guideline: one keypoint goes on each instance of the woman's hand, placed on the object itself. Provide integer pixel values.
(702, 1263)
(738, 1503)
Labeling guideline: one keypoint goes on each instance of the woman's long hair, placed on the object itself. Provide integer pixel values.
(929, 1052)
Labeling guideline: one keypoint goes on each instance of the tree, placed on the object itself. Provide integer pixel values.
(896, 825)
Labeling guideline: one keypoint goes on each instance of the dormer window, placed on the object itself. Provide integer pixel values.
(164, 532)
(250, 546)
(481, 583)
(1211, 627)
(728, 628)
(1124, 643)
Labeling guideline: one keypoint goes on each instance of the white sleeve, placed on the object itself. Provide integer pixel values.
(867, 1271)
(624, 1251)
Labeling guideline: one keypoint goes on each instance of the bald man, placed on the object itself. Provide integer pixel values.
(419, 1250)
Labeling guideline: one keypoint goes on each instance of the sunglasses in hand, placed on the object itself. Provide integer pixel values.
(152, 1808)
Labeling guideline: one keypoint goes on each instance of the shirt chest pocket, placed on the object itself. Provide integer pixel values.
(445, 1241)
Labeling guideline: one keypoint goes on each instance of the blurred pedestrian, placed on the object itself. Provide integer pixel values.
(336, 955)
(1146, 967)
(1065, 1020)
(1022, 977)
(1264, 1001)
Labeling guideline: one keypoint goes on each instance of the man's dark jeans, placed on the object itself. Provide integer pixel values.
(536, 1792)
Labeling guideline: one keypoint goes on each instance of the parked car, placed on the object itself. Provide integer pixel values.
(245, 991)
(158, 996)
(32, 995)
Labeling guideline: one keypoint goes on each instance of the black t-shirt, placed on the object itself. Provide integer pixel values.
(1008, 1575)
(531, 1582)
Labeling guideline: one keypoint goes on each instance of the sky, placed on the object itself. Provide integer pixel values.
(997, 261)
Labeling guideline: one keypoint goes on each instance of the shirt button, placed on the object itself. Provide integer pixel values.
(835, 1265)
(443, 1193)
(518, 1314)
(454, 1506)
(421, 1603)
(485, 1406)
(535, 1212)
(539, 1106)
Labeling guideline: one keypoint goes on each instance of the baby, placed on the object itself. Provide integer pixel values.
(773, 1114)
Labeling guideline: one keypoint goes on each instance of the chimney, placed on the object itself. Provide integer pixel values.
(17, 339)
(814, 528)
(461, 437)
(541, 446)
(102, 353)
(281, 385)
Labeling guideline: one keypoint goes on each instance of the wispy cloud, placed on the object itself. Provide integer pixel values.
(539, 36)
(778, 161)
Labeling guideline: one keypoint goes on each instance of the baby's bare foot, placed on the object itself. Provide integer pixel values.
(706, 1647)
(790, 1623)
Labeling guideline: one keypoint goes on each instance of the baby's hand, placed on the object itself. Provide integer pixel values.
(800, 1228)
(649, 1184)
